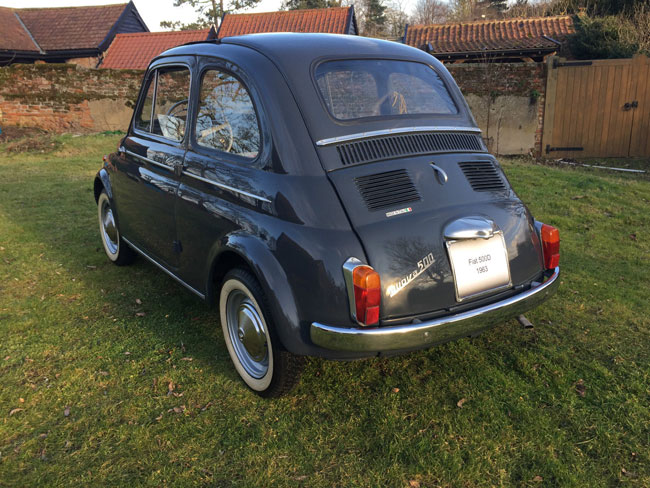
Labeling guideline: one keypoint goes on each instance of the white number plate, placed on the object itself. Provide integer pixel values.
(479, 265)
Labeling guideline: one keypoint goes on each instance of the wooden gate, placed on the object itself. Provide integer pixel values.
(597, 108)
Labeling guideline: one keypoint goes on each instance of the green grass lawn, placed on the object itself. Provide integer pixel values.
(118, 376)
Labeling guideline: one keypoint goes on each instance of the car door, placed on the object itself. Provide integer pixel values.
(223, 167)
(152, 161)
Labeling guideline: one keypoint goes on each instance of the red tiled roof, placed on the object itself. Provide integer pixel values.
(135, 51)
(70, 27)
(13, 37)
(333, 20)
(491, 35)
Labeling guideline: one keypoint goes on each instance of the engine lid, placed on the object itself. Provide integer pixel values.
(402, 209)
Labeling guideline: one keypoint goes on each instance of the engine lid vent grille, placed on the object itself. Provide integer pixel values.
(376, 149)
(483, 176)
(387, 189)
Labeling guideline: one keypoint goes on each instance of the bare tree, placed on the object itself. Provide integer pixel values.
(637, 29)
(466, 10)
(529, 8)
(208, 12)
(396, 18)
(430, 12)
(371, 17)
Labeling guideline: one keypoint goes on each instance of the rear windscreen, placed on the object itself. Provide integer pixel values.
(358, 88)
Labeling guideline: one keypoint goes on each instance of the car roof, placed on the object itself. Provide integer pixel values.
(290, 46)
(295, 54)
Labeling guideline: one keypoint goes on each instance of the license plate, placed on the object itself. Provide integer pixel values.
(479, 265)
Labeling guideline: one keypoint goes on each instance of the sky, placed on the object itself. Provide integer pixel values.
(152, 11)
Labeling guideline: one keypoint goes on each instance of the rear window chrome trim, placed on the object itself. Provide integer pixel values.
(388, 132)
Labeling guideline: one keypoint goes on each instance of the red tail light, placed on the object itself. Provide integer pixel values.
(550, 246)
(367, 294)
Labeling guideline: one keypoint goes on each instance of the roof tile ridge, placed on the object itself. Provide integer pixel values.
(295, 12)
(31, 37)
(493, 21)
(72, 7)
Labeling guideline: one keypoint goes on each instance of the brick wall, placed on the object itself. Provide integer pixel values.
(507, 100)
(502, 78)
(66, 98)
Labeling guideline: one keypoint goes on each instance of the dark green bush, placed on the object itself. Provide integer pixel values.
(600, 38)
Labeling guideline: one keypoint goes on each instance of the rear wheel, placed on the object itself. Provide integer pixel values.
(116, 249)
(252, 343)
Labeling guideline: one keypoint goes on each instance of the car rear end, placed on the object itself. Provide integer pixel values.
(450, 249)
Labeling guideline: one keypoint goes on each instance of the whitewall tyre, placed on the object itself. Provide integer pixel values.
(254, 348)
(114, 246)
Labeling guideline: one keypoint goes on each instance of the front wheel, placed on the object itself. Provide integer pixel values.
(116, 249)
(254, 348)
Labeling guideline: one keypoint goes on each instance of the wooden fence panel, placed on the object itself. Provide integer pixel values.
(640, 139)
(597, 108)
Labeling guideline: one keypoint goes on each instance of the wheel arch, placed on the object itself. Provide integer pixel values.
(102, 182)
(240, 250)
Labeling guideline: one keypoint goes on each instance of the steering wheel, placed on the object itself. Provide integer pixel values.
(218, 136)
(174, 110)
(217, 132)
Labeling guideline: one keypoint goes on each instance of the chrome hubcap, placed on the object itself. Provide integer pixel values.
(109, 230)
(248, 334)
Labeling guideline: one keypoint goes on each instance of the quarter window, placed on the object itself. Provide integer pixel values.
(143, 118)
(170, 112)
(168, 92)
(226, 118)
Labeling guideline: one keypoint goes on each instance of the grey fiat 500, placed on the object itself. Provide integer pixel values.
(331, 195)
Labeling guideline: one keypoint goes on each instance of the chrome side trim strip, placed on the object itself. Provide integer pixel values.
(226, 187)
(200, 178)
(403, 130)
(442, 329)
(157, 264)
(151, 161)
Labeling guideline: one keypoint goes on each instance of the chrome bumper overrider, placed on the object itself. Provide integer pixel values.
(415, 336)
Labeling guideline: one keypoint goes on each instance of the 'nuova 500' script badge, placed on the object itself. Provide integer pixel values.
(423, 265)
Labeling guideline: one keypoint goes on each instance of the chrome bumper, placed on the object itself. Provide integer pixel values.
(443, 329)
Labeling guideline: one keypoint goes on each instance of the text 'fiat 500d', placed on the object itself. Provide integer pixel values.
(331, 195)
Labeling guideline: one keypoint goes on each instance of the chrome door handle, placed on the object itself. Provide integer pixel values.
(176, 164)
(441, 176)
(178, 168)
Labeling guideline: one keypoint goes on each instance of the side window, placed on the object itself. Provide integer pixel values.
(167, 92)
(226, 118)
(170, 110)
(143, 118)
